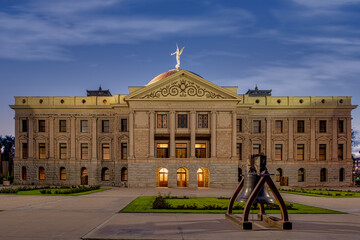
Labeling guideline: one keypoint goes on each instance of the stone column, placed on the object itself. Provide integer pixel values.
(151, 135)
(233, 135)
(312, 139)
(51, 138)
(334, 140)
(268, 139)
(17, 134)
(192, 133)
(94, 140)
(72, 137)
(348, 142)
(31, 138)
(172, 134)
(291, 139)
(131, 135)
(213, 134)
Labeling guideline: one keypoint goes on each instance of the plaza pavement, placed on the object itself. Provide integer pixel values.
(96, 216)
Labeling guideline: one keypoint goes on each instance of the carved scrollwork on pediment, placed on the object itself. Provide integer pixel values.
(183, 88)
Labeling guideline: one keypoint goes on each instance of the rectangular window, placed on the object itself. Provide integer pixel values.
(278, 151)
(24, 125)
(162, 150)
(256, 126)
(84, 151)
(41, 125)
(203, 121)
(200, 150)
(62, 151)
(322, 126)
(123, 150)
(84, 126)
(340, 151)
(24, 150)
(256, 149)
(238, 125)
(278, 126)
(161, 120)
(62, 125)
(42, 152)
(105, 151)
(182, 121)
(341, 126)
(300, 126)
(124, 124)
(181, 150)
(105, 126)
(300, 152)
(239, 150)
(322, 151)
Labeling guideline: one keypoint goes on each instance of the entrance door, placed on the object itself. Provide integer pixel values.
(200, 178)
(181, 178)
(163, 177)
(84, 176)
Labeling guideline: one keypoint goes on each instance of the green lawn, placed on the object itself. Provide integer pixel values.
(144, 205)
(37, 192)
(322, 193)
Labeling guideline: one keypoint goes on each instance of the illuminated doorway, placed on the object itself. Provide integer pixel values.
(203, 177)
(181, 177)
(163, 177)
(181, 150)
(200, 150)
(162, 150)
(84, 176)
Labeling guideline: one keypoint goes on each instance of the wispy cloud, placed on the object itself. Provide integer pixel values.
(326, 3)
(43, 29)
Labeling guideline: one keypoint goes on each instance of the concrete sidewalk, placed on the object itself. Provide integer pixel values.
(96, 216)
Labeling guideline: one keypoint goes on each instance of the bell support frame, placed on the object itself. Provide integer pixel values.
(244, 221)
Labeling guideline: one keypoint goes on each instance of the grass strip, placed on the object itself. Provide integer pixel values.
(144, 205)
(37, 192)
(322, 193)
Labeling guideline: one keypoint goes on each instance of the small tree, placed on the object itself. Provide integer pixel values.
(7, 146)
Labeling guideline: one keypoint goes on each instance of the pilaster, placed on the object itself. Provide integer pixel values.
(213, 134)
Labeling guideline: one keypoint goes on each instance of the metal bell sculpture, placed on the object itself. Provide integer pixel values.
(253, 191)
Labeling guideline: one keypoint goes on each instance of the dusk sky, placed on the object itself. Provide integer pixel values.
(63, 47)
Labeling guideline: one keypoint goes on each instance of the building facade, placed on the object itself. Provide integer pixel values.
(181, 130)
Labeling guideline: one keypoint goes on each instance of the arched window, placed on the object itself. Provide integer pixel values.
(105, 174)
(41, 173)
(124, 174)
(341, 174)
(301, 175)
(162, 177)
(84, 176)
(62, 173)
(23, 173)
(279, 174)
(239, 174)
(203, 177)
(323, 175)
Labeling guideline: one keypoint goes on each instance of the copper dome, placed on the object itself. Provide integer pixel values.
(162, 76)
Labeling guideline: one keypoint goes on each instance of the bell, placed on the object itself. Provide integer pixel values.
(250, 182)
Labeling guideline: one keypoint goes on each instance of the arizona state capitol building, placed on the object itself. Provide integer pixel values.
(181, 130)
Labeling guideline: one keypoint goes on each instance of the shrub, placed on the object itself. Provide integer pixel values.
(159, 203)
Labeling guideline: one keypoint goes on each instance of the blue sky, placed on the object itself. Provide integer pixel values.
(62, 48)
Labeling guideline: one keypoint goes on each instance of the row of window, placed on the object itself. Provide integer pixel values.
(84, 126)
(105, 173)
(301, 175)
(84, 151)
(182, 122)
(300, 151)
(279, 126)
(181, 150)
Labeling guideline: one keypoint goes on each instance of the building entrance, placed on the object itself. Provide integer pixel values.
(181, 178)
(163, 177)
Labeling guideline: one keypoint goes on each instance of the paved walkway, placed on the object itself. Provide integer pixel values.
(96, 216)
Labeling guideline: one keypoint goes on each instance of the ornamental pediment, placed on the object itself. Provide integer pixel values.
(183, 85)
